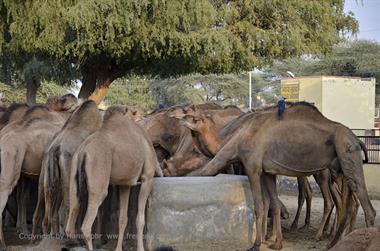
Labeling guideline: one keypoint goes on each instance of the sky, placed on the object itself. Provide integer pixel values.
(367, 12)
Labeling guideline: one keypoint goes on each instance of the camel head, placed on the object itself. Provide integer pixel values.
(182, 111)
(201, 123)
(67, 102)
(135, 113)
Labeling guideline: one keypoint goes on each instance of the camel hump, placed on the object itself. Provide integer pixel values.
(36, 111)
(86, 115)
(10, 110)
(114, 111)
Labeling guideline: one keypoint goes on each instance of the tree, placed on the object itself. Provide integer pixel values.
(108, 38)
(29, 69)
(224, 89)
(360, 58)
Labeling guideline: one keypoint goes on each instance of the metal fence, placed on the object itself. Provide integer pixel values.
(373, 146)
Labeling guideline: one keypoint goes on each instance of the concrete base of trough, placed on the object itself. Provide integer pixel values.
(200, 213)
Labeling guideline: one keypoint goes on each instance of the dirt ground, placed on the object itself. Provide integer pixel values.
(299, 241)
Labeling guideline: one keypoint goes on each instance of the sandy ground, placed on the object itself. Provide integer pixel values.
(299, 241)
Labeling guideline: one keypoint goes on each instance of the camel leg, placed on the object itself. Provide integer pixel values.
(308, 196)
(40, 204)
(97, 187)
(146, 187)
(344, 214)
(123, 215)
(322, 179)
(355, 206)
(22, 191)
(65, 166)
(11, 164)
(266, 206)
(334, 190)
(254, 180)
(301, 200)
(351, 163)
(270, 182)
(74, 207)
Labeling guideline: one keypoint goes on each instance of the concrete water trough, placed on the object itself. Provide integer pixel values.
(200, 213)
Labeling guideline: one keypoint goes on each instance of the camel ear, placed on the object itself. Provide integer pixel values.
(134, 113)
(126, 110)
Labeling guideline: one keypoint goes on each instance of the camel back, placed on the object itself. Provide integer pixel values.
(86, 115)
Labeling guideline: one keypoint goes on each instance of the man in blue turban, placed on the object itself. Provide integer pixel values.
(281, 108)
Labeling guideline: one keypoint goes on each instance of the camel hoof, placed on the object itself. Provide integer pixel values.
(276, 246)
(318, 237)
(271, 238)
(306, 227)
(254, 248)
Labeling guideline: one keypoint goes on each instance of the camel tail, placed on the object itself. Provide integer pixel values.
(81, 179)
(50, 164)
(365, 151)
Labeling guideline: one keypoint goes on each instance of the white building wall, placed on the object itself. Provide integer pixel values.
(350, 101)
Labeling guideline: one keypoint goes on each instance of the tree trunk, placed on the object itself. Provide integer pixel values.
(97, 78)
(31, 92)
(100, 91)
(88, 83)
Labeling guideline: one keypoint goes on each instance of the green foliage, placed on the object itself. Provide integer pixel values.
(224, 89)
(17, 94)
(132, 91)
(359, 58)
(175, 36)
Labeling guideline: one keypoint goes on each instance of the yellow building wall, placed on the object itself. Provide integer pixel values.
(350, 101)
(309, 89)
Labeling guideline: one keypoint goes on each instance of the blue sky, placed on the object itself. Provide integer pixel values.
(367, 12)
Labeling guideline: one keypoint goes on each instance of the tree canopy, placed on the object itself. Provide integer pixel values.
(106, 39)
(360, 58)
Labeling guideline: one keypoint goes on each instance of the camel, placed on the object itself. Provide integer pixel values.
(221, 117)
(181, 166)
(364, 239)
(303, 143)
(208, 140)
(55, 171)
(168, 136)
(119, 153)
(22, 145)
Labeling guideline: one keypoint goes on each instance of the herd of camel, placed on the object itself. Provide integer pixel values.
(76, 151)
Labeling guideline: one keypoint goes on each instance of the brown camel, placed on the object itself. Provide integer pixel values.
(22, 148)
(181, 166)
(119, 153)
(208, 140)
(303, 143)
(364, 239)
(220, 117)
(169, 138)
(55, 171)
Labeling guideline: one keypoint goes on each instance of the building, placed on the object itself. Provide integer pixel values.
(348, 100)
